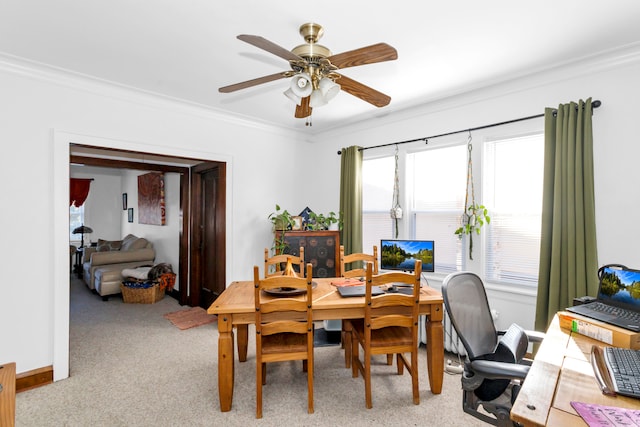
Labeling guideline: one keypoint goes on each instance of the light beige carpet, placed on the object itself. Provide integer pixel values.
(190, 318)
(130, 367)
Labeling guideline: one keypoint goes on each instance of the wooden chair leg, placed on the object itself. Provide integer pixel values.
(310, 389)
(259, 381)
(264, 373)
(346, 342)
(389, 359)
(355, 356)
(414, 377)
(367, 379)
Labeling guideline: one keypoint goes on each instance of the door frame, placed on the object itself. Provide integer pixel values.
(61, 150)
(196, 272)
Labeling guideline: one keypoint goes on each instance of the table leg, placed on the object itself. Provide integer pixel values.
(225, 362)
(243, 342)
(435, 349)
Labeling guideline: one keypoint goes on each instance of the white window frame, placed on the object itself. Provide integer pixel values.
(479, 137)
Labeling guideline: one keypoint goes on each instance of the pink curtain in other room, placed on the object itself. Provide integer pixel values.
(78, 191)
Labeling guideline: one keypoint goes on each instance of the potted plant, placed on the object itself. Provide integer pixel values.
(474, 217)
(321, 222)
(281, 221)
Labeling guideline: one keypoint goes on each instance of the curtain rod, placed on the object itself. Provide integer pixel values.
(594, 104)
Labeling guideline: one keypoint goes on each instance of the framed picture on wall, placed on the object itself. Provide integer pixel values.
(124, 201)
(297, 223)
(130, 214)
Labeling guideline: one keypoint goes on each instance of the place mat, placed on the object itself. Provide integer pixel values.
(287, 292)
(190, 318)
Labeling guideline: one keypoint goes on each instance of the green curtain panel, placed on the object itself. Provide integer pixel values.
(568, 252)
(351, 199)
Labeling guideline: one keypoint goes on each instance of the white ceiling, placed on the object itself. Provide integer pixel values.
(187, 49)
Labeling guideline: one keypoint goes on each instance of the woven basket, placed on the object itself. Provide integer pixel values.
(149, 295)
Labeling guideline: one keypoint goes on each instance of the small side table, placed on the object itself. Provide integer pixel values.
(78, 264)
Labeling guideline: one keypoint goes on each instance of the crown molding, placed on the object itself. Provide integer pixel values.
(93, 85)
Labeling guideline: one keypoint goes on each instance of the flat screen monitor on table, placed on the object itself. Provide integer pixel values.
(402, 255)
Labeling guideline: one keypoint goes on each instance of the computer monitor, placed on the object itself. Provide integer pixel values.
(402, 254)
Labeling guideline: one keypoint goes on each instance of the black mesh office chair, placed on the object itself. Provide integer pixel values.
(495, 366)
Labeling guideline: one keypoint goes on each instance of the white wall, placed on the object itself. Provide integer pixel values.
(165, 238)
(103, 207)
(43, 112)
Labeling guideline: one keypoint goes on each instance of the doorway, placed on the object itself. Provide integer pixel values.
(64, 146)
(203, 220)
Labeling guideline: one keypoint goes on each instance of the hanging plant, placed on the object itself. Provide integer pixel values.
(473, 218)
(474, 215)
(396, 209)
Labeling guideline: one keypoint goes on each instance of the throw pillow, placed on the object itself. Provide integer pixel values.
(138, 244)
(108, 245)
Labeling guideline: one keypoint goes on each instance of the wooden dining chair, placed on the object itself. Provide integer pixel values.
(273, 266)
(356, 262)
(390, 326)
(284, 328)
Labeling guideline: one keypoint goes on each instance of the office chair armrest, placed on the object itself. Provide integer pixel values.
(532, 336)
(535, 336)
(499, 370)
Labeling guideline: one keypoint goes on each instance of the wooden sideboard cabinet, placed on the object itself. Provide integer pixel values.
(321, 249)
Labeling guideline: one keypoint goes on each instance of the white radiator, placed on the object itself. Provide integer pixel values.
(452, 343)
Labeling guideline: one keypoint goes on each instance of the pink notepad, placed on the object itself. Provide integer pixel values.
(607, 416)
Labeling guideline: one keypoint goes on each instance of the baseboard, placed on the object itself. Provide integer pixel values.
(34, 378)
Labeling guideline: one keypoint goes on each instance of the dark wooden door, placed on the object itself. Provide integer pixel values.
(208, 233)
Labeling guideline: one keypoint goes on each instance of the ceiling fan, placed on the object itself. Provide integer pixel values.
(315, 79)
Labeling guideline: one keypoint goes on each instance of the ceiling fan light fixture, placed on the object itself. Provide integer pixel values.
(328, 88)
(292, 96)
(301, 85)
(317, 99)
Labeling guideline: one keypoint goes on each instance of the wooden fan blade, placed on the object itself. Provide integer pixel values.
(270, 47)
(253, 82)
(365, 55)
(303, 110)
(363, 92)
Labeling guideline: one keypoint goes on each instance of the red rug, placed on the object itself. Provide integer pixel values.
(190, 318)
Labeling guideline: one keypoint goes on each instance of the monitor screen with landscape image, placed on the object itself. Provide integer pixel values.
(402, 254)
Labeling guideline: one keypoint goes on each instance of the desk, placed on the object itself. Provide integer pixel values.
(561, 373)
(235, 308)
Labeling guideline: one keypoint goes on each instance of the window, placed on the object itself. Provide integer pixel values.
(377, 193)
(508, 167)
(436, 183)
(76, 219)
(513, 177)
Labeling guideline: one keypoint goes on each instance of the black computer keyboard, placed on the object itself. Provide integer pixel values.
(617, 311)
(624, 367)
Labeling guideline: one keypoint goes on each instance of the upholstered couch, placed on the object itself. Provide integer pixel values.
(102, 265)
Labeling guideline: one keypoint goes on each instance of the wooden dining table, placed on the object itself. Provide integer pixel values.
(235, 309)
